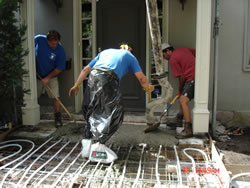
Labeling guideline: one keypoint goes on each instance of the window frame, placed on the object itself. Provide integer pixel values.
(246, 41)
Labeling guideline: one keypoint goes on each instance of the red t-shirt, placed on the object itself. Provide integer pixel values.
(182, 62)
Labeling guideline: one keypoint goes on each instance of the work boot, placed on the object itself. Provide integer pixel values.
(187, 132)
(177, 121)
(58, 119)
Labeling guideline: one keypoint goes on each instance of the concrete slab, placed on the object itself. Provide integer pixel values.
(130, 133)
(41, 131)
(133, 134)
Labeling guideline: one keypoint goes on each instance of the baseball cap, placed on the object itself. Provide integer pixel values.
(164, 46)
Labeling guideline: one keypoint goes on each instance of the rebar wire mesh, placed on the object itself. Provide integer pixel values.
(55, 163)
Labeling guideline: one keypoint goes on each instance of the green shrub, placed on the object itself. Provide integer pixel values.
(11, 61)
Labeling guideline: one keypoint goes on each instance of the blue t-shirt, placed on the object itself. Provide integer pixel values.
(48, 59)
(116, 60)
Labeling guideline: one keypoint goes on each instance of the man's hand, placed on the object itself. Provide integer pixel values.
(151, 88)
(53, 74)
(178, 93)
(45, 81)
(74, 90)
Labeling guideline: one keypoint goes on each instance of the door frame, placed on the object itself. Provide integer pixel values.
(77, 44)
(77, 49)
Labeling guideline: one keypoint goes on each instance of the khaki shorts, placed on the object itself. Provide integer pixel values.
(53, 85)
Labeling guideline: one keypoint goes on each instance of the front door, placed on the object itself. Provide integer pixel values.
(124, 21)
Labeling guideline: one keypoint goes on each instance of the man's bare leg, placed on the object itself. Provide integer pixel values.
(184, 108)
(187, 132)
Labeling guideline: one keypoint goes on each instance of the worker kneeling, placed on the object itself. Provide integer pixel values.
(102, 107)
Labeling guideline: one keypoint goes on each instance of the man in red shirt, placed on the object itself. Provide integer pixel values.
(182, 62)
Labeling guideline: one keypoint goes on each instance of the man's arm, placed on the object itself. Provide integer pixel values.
(144, 82)
(182, 81)
(54, 73)
(84, 73)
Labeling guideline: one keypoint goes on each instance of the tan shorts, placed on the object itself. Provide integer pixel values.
(53, 85)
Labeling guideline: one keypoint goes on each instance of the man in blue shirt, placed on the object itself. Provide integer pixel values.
(50, 61)
(102, 106)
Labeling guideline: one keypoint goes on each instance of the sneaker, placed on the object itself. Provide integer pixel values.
(58, 119)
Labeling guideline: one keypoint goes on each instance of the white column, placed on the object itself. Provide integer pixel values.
(31, 112)
(203, 39)
(77, 49)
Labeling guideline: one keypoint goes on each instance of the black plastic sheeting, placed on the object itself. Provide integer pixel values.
(102, 106)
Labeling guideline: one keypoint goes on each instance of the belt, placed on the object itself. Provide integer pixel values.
(110, 73)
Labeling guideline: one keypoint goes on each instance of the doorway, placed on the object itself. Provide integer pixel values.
(124, 21)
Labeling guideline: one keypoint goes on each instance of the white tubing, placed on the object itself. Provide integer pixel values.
(37, 170)
(11, 145)
(156, 167)
(202, 152)
(239, 175)
(178, 166)
(92, 174)
(139, 168)
(13, 168)
(66, 170)
(142, 173)
(192, 160)
(193, 165)
(54, 169)
(116, 177)
(30, 166)
(124, 167)
(18, 140)
(109, 170)
(78, 171)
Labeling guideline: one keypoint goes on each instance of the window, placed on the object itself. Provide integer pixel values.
(246, 59)
(86, 31)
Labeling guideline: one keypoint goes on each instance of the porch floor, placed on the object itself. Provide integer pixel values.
(81, 172)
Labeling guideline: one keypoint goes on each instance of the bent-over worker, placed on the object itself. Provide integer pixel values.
(102, 106)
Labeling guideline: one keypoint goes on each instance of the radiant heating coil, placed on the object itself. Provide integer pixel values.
(109, 170)
(139, 166)
(124, 168)
(27, 170)
(136, 166)
(57, 165)
(156, 167)
(11, 145)
(18, 140)
(13, 168)
(178, 166)
(38, 169)
(65, 171)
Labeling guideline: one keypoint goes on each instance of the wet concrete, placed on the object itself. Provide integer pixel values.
(129, 133)
(132, 134)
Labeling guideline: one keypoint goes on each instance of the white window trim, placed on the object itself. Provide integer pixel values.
(246, 42)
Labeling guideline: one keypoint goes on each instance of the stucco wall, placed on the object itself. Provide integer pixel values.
(48, 17)
(182, 24)
(233, 82)
(182, 31)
